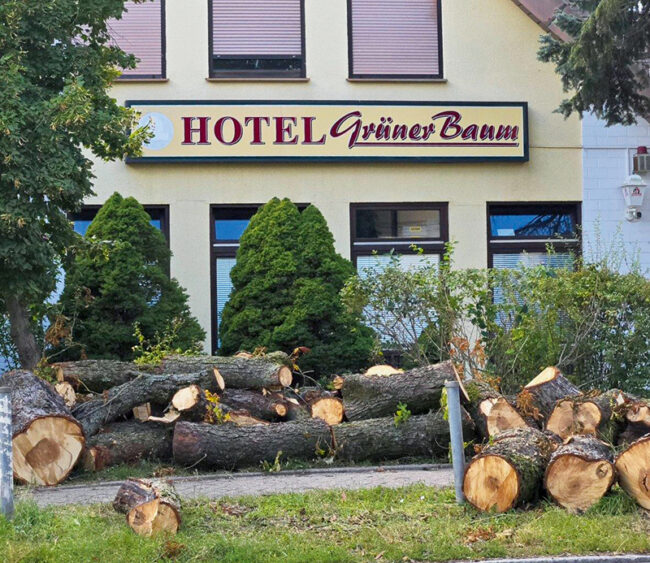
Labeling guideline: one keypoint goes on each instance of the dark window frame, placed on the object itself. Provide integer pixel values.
(368, 247)
(517, 245)
(395, 77)
(163, 52)
(302, 73)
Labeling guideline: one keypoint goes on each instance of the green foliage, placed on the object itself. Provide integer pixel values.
(121, 276)
(57, 66)
(286, 283)
(402, 414)
(273, 467)
(604, 63)
(153, 352)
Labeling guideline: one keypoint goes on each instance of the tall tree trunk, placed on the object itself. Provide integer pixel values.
(29, 352)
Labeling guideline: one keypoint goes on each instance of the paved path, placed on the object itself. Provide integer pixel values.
(242, 484)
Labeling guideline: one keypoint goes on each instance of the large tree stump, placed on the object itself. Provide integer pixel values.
(151, 506)
(128, 442)
(580, 473)
(508, 472)
(538, 398)
(633, 466)
(47, 441)
(267, 407)
(376, 396)
(95, 375)
(236, 373)
(227, 446)
(145, 388)
(380, 439)
(491, 411)
(586, 415)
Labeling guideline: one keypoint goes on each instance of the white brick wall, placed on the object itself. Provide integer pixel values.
(607, 161)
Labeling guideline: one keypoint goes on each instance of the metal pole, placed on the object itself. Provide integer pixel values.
(456, 435)
(6, 463)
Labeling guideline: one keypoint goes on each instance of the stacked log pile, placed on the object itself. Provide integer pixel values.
(553, 438)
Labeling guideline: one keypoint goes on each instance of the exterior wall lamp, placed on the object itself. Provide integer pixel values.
(633, 192)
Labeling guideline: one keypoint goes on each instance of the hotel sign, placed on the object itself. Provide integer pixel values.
(284, 131)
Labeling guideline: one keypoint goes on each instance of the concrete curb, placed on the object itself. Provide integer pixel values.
(568, 559)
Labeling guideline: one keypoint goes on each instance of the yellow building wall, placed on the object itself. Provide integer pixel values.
(489, 53)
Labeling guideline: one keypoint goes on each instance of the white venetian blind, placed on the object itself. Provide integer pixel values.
(256, 27)
(395, 37)
(139, 33)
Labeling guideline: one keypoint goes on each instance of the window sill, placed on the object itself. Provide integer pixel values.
(402, 80)
(255, 79)
(139, 80)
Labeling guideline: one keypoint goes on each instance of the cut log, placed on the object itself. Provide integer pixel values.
(580, 473)
(368, 396)
(576, 416)
(381, 439)
(171, 416)
(323, 404)
(337, 382)
(95, 375)
(191, 403)
(637, 419)
(538, 398)
(491, 411)
(142, 412)
(151, 506)
(128, 442)
(235, 373)
(266, 407)
(67, 393)
(47, 441)
(508, 472)
(227, 446)
(633, 466)
(120, 400)
(297, 409)
(383, 369)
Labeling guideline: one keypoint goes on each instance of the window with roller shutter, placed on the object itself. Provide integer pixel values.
(257, 38)
(395, 39)
(141, 32)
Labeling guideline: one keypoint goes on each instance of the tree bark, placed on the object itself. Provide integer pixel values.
(575, 416)
(491, 411)
(508, 472)
(95, 375)
(151, 506)
(633, 466)
(368, 396)
(261, 406)
(128, 442)
(237, 373)
(47, 441)
(580, 473)
(381, 439)
(29, 352)
(227, 446)
(145, 388)
(538, 398)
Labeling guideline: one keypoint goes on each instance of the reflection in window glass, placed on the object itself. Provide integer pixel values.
(397, 223)
(224, 285)
(230, 223)
(543, 225)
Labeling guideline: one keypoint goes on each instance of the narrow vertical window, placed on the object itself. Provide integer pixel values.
(257, 39)
(395, 39)
(141, 32)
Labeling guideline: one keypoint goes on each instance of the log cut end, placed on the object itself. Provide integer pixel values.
(570, 418)
(329, 409)
(491, 483)
(221, 382)
(67, 393)
(285, 377)
(576, 483)
(639, 413)
(500, 415)
(382, 370)
(152, 518)
(549, 374)
(151, 506)
(633, 466)
(47, 450)
(187, 398)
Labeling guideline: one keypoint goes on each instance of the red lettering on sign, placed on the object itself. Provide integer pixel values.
(238, 131)
(284, 130)
(257, 128)
(309, 132)
(189, 130)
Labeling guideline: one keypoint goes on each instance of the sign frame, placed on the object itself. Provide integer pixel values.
(349, 159)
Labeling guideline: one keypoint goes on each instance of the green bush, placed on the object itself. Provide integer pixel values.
(286, 285)
(119, 278)
(590, 321)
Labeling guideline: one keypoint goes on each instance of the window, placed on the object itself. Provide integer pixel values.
(141, 32)
(228, 223)
(159, 218)
(519, 234)
(264, 38)
(395, 39)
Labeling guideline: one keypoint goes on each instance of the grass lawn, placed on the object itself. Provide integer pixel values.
(414, 523)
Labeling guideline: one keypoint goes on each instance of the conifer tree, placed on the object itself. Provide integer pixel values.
(119, 278)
